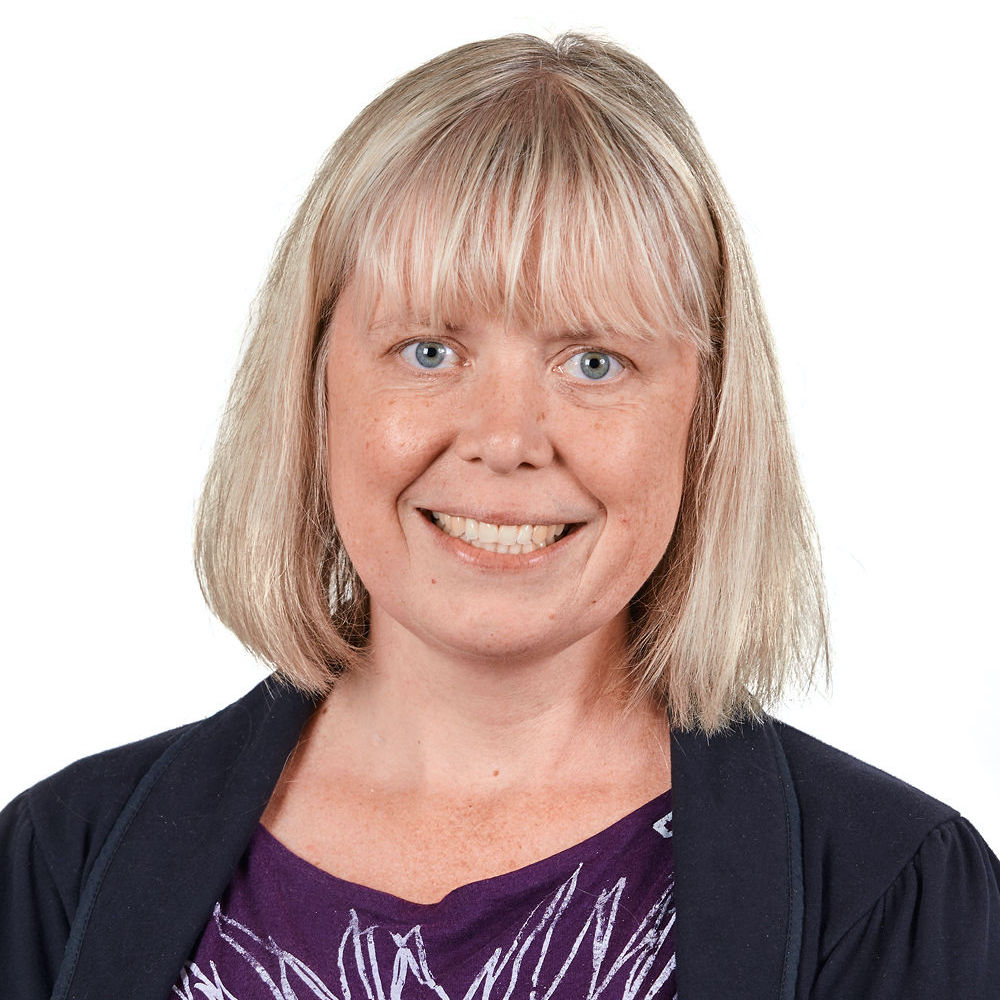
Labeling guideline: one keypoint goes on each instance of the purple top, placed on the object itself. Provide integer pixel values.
(595, 920)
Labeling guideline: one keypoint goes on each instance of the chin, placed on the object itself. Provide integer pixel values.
(509, 649)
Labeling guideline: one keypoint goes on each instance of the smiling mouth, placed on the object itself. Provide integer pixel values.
(511, 538)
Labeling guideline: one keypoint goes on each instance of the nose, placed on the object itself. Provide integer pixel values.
(504, 427)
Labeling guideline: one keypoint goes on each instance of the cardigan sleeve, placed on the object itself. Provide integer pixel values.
(34, 922)
(934, 932)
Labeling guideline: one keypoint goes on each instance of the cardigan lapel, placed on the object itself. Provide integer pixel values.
(737, 857)
(175, 846)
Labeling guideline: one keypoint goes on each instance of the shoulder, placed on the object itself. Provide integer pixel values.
(863, 808)
(51, 837)
(77, 849)
(884, 865)
(70, 815)
(860, 825)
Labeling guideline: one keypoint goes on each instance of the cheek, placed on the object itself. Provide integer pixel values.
(641, 459)
(637, 461)
(379, 442)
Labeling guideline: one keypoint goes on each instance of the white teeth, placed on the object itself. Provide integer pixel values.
(513, 539)
(507, 535)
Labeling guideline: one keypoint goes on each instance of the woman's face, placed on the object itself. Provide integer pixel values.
(444, 448)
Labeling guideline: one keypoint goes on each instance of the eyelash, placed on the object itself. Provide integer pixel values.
(408, 352)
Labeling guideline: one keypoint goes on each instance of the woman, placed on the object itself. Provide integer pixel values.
(504, 493)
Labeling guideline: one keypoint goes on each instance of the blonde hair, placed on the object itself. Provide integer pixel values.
(558, 183)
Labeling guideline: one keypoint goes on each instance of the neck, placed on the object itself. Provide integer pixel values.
(430, 719)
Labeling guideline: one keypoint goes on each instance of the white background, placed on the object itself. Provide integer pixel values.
(154, 153)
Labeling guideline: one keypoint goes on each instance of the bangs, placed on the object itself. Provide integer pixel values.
(562, 187)
(542, 207)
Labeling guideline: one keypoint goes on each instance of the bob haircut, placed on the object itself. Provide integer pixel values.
(558, 184)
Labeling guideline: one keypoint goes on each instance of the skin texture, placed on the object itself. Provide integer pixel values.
(489, 728)
(506, 433)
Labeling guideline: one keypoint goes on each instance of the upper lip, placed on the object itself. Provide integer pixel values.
(502, 517)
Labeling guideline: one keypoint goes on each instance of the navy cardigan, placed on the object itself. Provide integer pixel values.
(800, 872)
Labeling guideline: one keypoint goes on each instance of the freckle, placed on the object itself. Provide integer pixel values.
(495, 773)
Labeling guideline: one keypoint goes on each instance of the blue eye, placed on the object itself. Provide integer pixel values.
(595, 366)
(429, 354)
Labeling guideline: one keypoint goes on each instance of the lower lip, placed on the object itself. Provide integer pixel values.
(485, 559)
